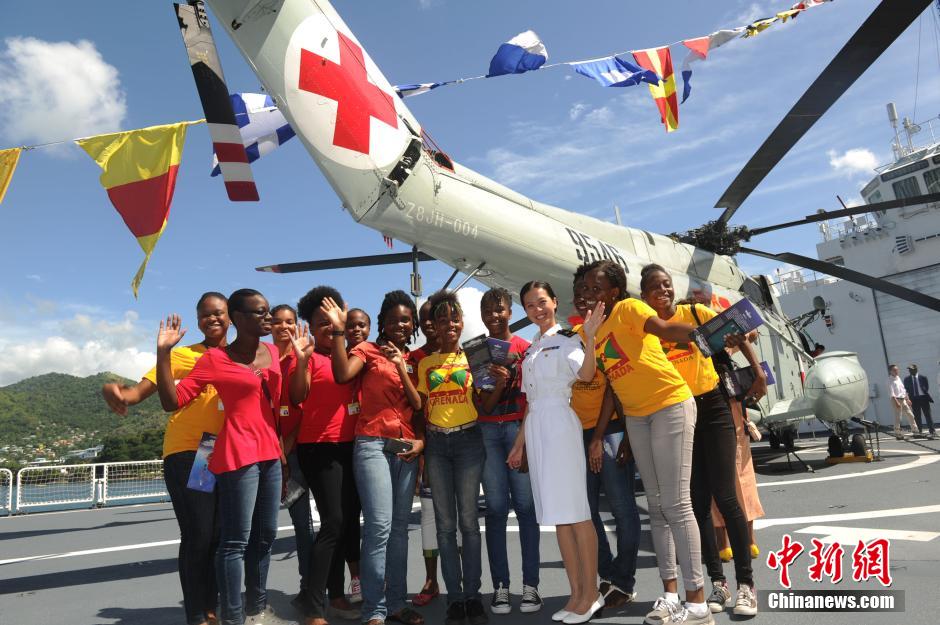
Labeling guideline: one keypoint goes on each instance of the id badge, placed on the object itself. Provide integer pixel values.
(285, 411)
(353, 407)
(221, 407)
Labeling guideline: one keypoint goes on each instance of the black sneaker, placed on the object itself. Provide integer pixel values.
(456, 614)
(476, 615)
(500, 603)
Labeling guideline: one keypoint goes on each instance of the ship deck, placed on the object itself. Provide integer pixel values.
(118, 565)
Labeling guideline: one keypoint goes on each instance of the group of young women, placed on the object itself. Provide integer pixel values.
(357, 422)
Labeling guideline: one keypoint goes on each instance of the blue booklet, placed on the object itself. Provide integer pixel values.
(483, 351)
(200, 477)
(739, 319)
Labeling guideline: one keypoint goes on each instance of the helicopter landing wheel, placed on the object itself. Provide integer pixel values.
(836, 448)
(858, 445)
(774, 440)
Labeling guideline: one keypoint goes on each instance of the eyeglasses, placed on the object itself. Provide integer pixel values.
(260, 313)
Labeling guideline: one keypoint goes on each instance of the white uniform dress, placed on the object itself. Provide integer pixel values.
(553, 434)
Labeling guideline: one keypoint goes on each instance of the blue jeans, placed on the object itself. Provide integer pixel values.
(249, 499)
(618, 485)
(386, 487)
(301, 520)
(454, 463)
(502, 485)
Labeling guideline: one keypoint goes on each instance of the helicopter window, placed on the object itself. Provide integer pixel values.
(906, 187)
(753, 291)
(932, 180)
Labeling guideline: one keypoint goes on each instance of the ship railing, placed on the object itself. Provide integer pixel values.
(6, 491)
(81, 485)
(133, 480)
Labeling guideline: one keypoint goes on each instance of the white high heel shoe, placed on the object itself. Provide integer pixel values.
(574, 619)
(560, 615)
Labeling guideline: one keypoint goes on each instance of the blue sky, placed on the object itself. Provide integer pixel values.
(66, 259)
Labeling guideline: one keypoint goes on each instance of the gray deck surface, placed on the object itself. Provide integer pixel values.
(138, 585)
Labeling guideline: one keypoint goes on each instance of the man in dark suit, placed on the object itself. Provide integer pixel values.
(918, 392)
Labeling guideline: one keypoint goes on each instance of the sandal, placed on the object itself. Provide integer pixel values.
(425, 597)
(406, 616)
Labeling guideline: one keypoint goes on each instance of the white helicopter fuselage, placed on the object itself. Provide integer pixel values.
(370, 148)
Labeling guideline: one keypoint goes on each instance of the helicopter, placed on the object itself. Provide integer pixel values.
(391, 177)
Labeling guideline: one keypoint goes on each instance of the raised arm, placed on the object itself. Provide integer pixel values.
(119, 397)
(345, 368)
(673, 332)
(398, 359)
(759, 387)
(300, 379)
(168, 336)
(592, 322)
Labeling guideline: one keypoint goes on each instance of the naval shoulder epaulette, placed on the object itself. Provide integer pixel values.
(567, 333)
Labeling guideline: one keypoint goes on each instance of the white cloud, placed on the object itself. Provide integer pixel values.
(54, 91)
(469, 298)
(61, 355)
(853, 161)
(575, 112)
(80, 345)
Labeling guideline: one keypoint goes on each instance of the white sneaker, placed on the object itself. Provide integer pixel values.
(500, 603)
(745, 603)
(662, 611)
(267, 617)
(354, 592)
(682, 615)
(531, 600)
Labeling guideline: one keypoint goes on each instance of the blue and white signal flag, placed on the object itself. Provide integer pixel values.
(522, 53)
(612, 71)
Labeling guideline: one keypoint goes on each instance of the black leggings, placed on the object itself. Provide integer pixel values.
(328, 470)
(199, 537)
(714, 474)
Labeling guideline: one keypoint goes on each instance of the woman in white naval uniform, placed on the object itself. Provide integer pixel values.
(553, 442)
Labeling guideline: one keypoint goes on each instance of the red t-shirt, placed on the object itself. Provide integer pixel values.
(331, 410)
(288, 414)
(249, 432)
(512, 403)
(384, 409)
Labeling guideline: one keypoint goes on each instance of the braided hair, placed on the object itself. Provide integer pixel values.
(391, 300)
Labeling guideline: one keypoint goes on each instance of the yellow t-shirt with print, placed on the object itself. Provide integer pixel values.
(634, 362)
(697, 371)
(588, 397)
(446, 381)
(203, 414)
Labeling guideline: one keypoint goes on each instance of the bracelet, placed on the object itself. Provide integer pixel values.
(338, 333)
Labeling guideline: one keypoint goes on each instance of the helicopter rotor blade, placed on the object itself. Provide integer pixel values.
(885, 24)
(515, 326)
(344, 263)
(848, 212)
(850, 275)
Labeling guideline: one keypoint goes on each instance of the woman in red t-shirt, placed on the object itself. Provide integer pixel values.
(325, 451)
(386, 445)
(247, 458)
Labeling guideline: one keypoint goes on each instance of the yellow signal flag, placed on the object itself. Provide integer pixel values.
(139, 174)
(8, 160)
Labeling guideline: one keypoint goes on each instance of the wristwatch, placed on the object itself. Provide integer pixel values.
(337, 333)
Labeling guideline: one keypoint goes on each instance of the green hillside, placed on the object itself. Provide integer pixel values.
(61, 412)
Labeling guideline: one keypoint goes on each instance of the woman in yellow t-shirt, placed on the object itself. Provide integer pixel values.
(660, 419)
(453, 459)
(714, 444)
(195, 510)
